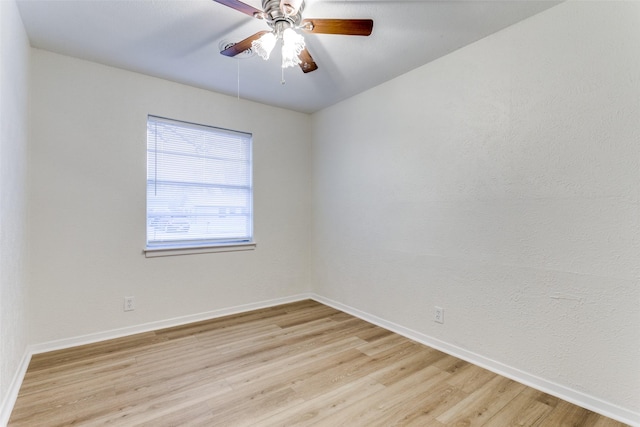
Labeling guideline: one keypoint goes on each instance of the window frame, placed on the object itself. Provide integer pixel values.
(196, 246)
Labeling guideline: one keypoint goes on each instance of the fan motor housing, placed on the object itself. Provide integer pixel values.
(274, 13)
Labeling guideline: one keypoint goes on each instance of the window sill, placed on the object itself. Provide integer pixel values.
(231, 247)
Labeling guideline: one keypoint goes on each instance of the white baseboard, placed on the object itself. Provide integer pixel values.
(14, 389)
(161, 324)
(578, 398)
(11, 396)
(589, 402)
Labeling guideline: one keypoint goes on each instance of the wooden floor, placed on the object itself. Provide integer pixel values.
(293, 365)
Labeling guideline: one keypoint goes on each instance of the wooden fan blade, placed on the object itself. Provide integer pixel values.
(240, 7)
(349, 27)
(308, 65)
(243, 45)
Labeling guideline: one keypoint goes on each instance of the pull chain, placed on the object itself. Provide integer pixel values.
(282, 82)
(238, 89)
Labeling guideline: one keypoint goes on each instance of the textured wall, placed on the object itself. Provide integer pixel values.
(88, 191)
(502, 183)
(14, 63)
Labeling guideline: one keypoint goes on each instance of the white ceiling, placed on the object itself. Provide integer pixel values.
(179, 40)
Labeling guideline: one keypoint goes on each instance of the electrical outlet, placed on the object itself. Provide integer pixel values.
(129, 303)
(438, 315)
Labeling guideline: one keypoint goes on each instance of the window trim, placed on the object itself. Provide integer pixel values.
(185, 247)
(189, 250)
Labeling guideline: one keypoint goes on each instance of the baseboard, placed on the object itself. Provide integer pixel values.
(14, 388)
(589, 402)
(10, 399)
(578, 398)
(11, 396)
(161, 324)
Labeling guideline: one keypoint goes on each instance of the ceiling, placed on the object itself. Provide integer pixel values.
(179, 40)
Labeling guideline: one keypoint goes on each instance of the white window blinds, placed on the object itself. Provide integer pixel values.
(199, 185)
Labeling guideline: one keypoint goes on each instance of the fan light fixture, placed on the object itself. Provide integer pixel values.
(292, 45)
(264, 45)
(284, 17)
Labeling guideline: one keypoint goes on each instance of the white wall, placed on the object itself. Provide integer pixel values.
(502, 183)
(14, 71)
(88, 176)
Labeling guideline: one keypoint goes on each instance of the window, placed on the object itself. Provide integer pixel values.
(199, 186)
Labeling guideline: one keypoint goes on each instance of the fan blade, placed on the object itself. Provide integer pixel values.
(240, 7)
(308, 65)
(243, 45)
(349, 27)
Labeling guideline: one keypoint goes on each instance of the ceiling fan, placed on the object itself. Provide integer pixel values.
(285, 17)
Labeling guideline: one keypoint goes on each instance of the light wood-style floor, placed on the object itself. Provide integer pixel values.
(297, 364)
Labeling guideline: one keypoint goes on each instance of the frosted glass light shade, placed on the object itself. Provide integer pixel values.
(292, 45)
(264, 45)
